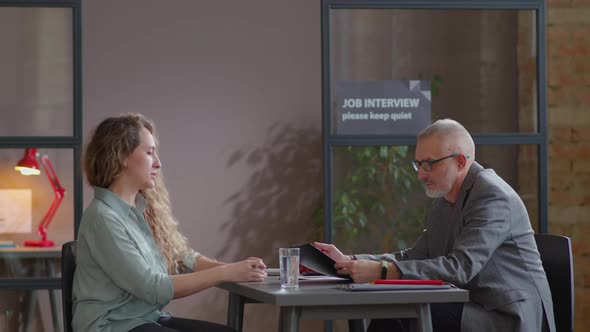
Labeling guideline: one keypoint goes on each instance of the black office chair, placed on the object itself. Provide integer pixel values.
(68, 266)
(556, 254)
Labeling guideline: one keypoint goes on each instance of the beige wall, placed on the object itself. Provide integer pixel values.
(235, 90)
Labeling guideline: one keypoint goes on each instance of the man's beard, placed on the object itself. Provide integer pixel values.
(436, 192)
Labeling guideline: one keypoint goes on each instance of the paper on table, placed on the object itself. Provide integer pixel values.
(274, 272)
(322, 278)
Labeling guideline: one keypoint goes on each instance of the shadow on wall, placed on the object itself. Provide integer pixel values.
(275, 207)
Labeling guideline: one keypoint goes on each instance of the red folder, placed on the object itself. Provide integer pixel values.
(406, 282)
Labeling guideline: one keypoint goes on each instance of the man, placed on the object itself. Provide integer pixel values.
(478, 236)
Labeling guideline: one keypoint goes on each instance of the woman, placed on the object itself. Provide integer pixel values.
(131, 258)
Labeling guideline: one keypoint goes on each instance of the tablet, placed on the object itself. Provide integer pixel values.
(313, 258)
(389, 287)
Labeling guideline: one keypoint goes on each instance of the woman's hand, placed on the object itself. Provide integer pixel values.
(251, 269)
(332, 251)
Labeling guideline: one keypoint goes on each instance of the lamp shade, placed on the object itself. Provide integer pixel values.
(29, 164)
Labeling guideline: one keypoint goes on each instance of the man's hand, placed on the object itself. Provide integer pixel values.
(361, 270)
(332, 251)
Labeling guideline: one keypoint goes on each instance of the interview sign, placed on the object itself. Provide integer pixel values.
(382, 107)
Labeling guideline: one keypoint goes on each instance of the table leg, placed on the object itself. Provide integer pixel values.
(424, 319)
(31, 298)
(356, 325)
(31, 303)
(54, 299)
(235, 312)
(289, 319)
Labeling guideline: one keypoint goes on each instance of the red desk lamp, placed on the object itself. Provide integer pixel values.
(30, 166)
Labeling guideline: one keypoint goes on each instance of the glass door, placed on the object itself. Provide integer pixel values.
(390, 68)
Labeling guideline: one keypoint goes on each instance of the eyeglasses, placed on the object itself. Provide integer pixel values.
(426, 165)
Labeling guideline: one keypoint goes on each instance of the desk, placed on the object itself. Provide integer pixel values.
(42, 259)
(322, 300)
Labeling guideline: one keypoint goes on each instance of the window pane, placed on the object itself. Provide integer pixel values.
(481, 63)
(518, 165)
(24, 201)
(36, 63)
(379, 205)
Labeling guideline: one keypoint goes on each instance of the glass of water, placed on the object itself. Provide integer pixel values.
(289, 266)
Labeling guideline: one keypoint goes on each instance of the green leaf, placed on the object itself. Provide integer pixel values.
(384, 152)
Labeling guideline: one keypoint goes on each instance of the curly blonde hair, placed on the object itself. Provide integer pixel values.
(113, 140)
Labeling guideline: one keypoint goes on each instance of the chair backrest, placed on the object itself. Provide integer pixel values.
(556, 255)
(68, 266)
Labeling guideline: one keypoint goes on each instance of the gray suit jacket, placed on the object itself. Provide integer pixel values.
(483, 243)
